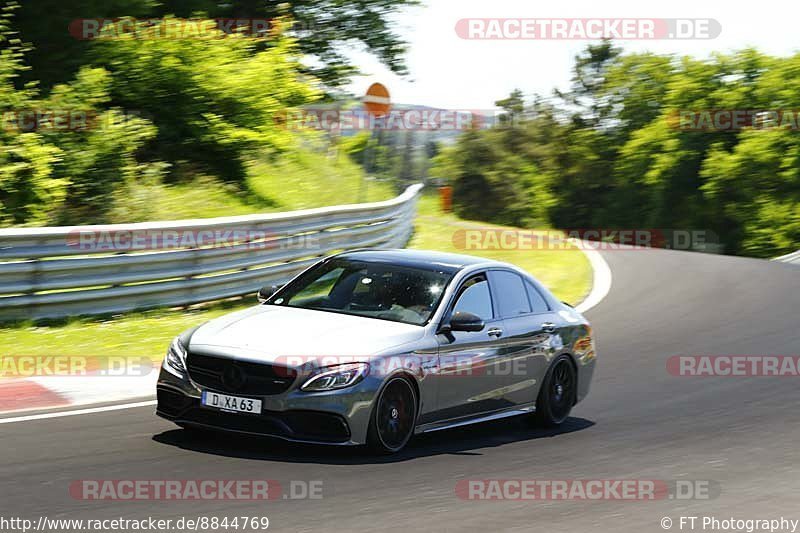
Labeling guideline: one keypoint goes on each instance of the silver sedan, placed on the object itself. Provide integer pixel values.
(374, 346)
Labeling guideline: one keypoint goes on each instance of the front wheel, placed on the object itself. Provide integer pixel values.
(393, 417)
(557, 394)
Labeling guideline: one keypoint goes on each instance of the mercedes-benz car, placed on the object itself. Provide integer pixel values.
(375, 346)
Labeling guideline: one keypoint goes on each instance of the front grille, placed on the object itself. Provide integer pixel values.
(300, 425)
(239, 377)
(258, 424)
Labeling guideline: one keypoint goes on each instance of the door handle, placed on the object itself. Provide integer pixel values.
(548, 327)
(495, 332)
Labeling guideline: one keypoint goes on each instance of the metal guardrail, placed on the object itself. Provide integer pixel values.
(56, 272)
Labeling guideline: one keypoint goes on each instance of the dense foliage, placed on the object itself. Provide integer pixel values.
(169, 112)
(323, 29)
(612, 152)
(154, 109)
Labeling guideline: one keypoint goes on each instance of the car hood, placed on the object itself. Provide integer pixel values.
(268, 332)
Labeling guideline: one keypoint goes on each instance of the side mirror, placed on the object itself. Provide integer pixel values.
(464, 321)
(264, 293)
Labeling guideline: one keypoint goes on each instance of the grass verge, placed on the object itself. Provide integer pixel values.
(300, 180)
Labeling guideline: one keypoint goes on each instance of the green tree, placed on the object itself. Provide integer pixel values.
(323, 28)
(29, 188)
(214, 101)
(612, 151)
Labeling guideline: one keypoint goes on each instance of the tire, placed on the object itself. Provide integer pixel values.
(393, 417)
(557, 393)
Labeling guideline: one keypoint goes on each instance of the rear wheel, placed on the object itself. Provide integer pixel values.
(557, 394)
(393, 417)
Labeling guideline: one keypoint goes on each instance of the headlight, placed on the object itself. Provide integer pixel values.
(336, 377)
(175, 361)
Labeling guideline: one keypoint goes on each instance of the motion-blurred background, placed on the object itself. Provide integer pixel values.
(178, 109)
(186, 125)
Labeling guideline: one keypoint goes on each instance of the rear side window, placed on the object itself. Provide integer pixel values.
(509, 289)
(538, 303)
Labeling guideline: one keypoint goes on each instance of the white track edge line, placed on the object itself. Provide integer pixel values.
(601, 277)
(91, 410)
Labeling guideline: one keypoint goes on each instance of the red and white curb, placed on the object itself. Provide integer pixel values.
(47, 392)
(21, 394)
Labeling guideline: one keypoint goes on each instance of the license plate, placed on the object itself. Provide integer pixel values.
(236, 404)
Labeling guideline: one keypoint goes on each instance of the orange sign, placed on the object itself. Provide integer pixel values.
(376, 101)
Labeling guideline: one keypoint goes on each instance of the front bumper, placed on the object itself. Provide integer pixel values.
(336, 417)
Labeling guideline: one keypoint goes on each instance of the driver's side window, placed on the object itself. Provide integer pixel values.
(474, 297)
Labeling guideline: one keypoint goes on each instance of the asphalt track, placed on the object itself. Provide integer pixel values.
(639, 422)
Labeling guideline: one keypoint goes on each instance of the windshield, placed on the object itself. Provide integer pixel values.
(375, 290)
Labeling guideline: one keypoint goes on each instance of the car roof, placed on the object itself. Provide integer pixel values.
(446, 262)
